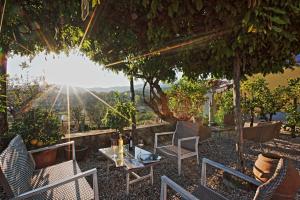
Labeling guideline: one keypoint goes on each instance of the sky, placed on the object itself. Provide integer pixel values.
(76, 70)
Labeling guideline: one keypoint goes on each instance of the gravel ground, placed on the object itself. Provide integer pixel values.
(221, 149)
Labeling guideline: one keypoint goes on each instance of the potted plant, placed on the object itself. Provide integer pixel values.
(119, 117)
(39, 128)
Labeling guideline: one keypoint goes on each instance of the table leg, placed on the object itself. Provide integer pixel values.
(127, 182)
(151, 174)
(107, 166)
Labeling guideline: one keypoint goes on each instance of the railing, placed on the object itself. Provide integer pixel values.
(165, 181)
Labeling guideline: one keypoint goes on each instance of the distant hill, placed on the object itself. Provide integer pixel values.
(116, 89)
(121, 89)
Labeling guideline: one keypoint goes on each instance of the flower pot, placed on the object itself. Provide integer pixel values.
(264, 166)
(80, 152)
(264, 169)
(45, 158)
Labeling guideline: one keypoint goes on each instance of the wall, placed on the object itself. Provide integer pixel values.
(101, 138)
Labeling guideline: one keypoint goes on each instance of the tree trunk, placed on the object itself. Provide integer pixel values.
(3, 94)
(133, 119)
(158, 102)
(271, 117)
(237, 111)
(251, 118)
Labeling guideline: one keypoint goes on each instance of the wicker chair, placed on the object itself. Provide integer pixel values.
(262, 132)
(61, 181)
(263, 192)
(185, 140)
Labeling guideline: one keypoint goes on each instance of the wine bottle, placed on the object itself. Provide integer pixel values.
(130, 142)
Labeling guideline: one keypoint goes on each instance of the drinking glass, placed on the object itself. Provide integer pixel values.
(114, 146)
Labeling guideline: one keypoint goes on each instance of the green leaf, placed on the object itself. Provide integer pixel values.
(199, 5)
(277, 29)
(275, 10)
(278, 20)
(247, 17)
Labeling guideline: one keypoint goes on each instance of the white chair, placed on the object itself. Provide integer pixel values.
(264, 191)
(185, 142)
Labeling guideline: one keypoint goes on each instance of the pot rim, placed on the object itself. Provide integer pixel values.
(270, 156)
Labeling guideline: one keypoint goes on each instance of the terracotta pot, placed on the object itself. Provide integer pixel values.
(264, 166)
(45, 158)
(80, 152)
(290, 185)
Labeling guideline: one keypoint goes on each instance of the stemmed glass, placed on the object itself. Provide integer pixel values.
(114, 146)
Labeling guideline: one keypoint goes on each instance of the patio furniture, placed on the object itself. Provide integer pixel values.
(130, 161)
(262, 132)
(264, 191)
(185, 140)
(65, 180)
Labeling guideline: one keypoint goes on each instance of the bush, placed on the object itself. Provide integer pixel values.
(37, 127)
(119, 116)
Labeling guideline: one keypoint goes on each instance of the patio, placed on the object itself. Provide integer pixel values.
(112, 185)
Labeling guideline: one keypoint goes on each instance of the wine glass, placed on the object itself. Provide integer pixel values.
(114, 146)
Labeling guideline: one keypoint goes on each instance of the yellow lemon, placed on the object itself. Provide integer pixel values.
(33, 142)
(40, 143)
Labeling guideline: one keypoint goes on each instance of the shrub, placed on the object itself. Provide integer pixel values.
(37, 127)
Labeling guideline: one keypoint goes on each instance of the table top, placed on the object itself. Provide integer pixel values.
(128, 159)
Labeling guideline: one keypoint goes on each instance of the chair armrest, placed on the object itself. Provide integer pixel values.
(165, 181)
(185, 139)
(164, 133)
(229, 170)
(55, 147)
(159, 134)
(188, 138)
(62, 182)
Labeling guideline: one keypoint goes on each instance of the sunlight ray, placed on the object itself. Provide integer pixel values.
(36, 98)
(69, 113)
(75, 91)
(105, 103)
(56, 97)
(197, 41)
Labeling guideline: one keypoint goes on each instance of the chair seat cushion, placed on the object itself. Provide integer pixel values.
(173, 150)
(78, 189)
(205, 193)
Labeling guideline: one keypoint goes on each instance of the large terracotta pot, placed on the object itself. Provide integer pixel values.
(264, 169)
(264, 166)
(45, 158)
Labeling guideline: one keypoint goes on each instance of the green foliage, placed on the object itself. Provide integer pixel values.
(2, 105)
(187, 97)
(255, 95)
(119, 116)
(292, 105)
(37, 127)
(225, 106)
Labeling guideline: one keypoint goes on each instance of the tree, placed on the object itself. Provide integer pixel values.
(118, 117)
(291, 107)
(187, 97)
(224, 105)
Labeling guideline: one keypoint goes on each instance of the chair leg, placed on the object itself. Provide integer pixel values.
(179, 166)
(197, 157)
(275, 143)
